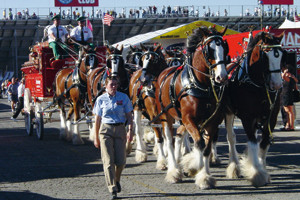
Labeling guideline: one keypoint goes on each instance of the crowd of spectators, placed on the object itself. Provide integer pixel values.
(150, 12)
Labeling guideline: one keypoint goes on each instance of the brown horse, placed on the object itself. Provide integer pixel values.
(254, 97)
(70, 84)
(192, 94)
(142, 95)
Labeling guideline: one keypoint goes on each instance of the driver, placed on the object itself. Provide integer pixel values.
(81, 34)
(57, 36)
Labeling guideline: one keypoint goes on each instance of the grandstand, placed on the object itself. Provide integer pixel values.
(16, 36)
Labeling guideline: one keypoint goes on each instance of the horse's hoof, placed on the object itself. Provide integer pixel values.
(174, 176)
(140, 156)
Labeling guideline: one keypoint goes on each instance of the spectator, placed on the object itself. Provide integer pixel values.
(192, 10)
(34, 16)
(169, 10)
(27, 13)
(20, 105)
(4, 14)
(74, 14)
(68, 14)
(289, 84)
(63, 14)
(112, 110)
(12, 91)
(51, 14)
(225, 13)
(163, 10)
(137, 12)
(10, 15)
(143, 13)
(154, 10)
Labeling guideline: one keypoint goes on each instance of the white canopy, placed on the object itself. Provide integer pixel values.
(287, 24)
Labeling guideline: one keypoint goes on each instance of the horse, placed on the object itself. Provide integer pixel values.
(71, 84)
(192, 94)
(253, 96)
(142, 95)
(133, 57)
(174, 57)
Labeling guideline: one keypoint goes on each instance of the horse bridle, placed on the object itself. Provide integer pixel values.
(205, 45)
(133, 54)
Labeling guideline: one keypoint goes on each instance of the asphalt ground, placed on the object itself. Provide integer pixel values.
(53, 169)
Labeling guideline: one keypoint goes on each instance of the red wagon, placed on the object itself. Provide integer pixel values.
(39, 73)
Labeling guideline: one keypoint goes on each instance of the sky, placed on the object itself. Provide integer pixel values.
(233, 6)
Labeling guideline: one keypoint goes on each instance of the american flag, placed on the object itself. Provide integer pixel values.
(108, 19)
(296, 18)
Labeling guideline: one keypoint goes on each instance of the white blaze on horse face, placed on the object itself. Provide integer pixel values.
(114, 66)
(274, 57)
(91, 61)
(136, 59)
(220, 70)
(145, 65)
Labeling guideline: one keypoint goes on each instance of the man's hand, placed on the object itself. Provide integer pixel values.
(58, 40)
(130, 135)
(97, 143)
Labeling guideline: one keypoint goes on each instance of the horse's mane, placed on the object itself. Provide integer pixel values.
(270, 39)
(197, 35)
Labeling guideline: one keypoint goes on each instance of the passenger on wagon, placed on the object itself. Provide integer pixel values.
(82, 34)
(57, 36)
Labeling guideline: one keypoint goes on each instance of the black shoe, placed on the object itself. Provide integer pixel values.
(114, 195)
(119, 187)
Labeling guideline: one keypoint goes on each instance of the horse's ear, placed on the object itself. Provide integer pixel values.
(131, 48)
(157, 48)
(121, 49)
(279, 37)
(224, 30)
(143, 47)
(108, 49)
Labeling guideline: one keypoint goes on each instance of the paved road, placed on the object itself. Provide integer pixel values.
(53, 169)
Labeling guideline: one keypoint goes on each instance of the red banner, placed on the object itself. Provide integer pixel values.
(76, 3)
(277, 2)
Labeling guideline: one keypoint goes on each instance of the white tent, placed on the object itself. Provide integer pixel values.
(169, 37)
(287, 24)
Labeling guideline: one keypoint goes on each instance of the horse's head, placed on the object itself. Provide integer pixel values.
(114, 59)
(208, 45)
(88, 61)
(153, 62)
(174, 57)
(134, 56)
(265, 58)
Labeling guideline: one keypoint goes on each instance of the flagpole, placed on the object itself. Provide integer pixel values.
(103, 32)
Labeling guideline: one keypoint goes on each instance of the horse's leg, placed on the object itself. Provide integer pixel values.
(186, 145)
(63, 126)
(179, 139)
(203, 178)
(233, 169)
(161, 163)
(140, 152)
(174, 174)
(77, 140)
(91, 131)
(214, 158)
(69, 124)
(251, 168)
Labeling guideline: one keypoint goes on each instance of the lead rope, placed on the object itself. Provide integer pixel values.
(271, 110)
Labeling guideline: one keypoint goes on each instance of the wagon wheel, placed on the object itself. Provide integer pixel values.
(28, 112)
(39, 121)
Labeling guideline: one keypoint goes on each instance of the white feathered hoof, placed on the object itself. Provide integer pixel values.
(149, 135)
(140, 156)
(188, 165)
(161, 164)
(173, 176)
(233, 171)
(205, 181)
(128, 148)
(260, 178)
(77, 141)
(257, 176)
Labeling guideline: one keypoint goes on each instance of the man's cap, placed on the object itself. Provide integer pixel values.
(81, 18)
(56, 17)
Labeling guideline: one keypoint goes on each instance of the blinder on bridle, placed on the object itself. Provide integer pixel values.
(114, 58)
(207, 51)
(266, 48)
